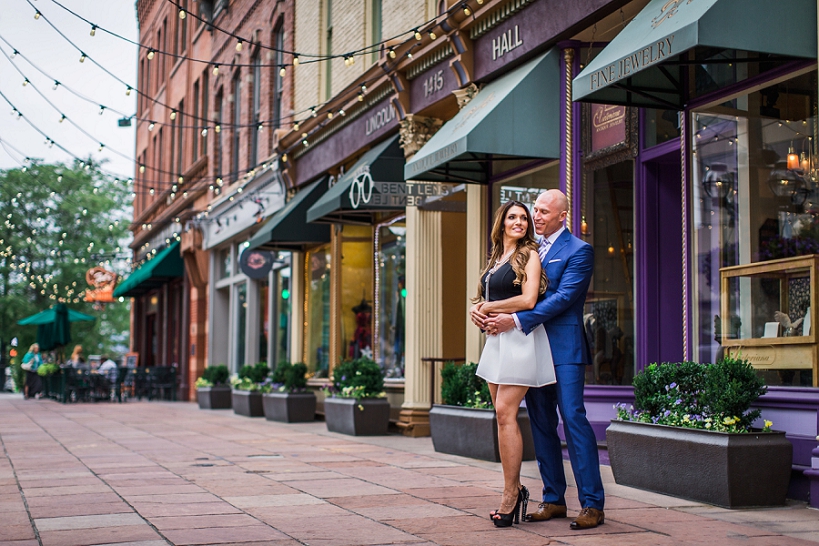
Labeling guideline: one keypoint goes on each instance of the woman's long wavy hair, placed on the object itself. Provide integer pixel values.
(520, 256)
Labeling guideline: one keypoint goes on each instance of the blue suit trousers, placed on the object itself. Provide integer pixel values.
(542, 404)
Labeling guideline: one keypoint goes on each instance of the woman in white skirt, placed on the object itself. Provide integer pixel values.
(512, 362)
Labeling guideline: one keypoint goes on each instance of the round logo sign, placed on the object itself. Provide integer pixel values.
(361, 190)
(256, 264)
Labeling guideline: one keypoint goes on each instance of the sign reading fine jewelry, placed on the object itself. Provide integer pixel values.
(366, 193)
(639, 60)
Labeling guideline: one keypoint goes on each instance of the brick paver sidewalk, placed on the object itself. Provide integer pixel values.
(153, 473)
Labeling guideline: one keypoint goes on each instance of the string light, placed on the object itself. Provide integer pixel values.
(432, 35)
(295, 61)
(151, 126)
(329, 115)
(25, 82)
(282, 72)
(56, 85)
(392, 53)
(128, 91)
(467, 11)
(151, 54)
(82, 57)
(62, 118)
(173, 115)
(37, 15)
(93, 30)
(102, 110)
(239, 46)
(216, 70)
(182, 14)
(218, 128)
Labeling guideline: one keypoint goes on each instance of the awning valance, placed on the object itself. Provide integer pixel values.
(515, 117)
(375, 184)
(288, 228)
(166, 265)
(677, 50)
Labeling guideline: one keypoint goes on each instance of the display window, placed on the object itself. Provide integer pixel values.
(356, 291)
(317, 311)
(755, 201)
(391, 291)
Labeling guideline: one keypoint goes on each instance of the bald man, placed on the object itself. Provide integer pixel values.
(569, 264)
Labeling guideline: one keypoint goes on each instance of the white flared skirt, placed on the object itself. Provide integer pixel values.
(513, 358)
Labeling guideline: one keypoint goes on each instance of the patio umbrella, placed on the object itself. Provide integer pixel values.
(53, 325)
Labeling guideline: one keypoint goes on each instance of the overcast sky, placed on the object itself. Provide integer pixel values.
(51, 53)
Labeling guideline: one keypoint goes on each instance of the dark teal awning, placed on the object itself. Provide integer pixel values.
(373, 186)
(675, 51)
(288, 229)
(515, 117)
(153, 273)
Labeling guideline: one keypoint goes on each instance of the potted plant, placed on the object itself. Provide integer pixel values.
(247, 395)
(466, 424)
(690, 435)
(51, 383)
(357, 404)
(288, 399)
(212, 389)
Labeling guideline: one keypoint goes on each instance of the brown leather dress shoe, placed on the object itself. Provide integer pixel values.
(589, 518)
(546, 511)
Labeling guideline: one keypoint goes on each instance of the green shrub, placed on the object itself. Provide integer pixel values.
(359, 378)
(47, 369)
(216, 375)
(707, 396)
(290, 377)
(461, 387)
(256, 373)
(244, 383)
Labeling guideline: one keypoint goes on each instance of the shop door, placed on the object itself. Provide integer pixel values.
(151, 337)
(659, 264)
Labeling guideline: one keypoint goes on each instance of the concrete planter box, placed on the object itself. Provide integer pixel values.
(725, 469)
(216, 397)
(357, 416)
(289, 407)
(473, 433)
(247, 403)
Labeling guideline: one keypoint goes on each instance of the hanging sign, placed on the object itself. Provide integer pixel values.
(103, 283)
(256, 264)
(608, 126)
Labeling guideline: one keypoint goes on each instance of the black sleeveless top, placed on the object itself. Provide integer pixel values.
(501, 284)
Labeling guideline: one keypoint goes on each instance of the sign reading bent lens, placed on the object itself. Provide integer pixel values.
(256, 264)
(366, 193)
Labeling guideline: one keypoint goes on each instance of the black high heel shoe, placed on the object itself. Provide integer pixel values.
(506, 520)
(524, 503)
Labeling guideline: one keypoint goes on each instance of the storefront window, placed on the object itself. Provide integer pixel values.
(281, 313)
(527, 186)
(317, 319)
(392, 298)
(241, 324)
(225, 263)
(264, 321)
(607, 223)
(356, 291)
(660, 126)
(755, 200)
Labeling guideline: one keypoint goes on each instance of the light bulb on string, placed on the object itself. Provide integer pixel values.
(82, 57)
(93, 30)
(409, 54)
(182, 14)
(216, 70)
(239, 46)
(25, 82)
(417, 34)
(14, 53)
(37, 15)
(62, 118)
(151, 126)
(205, 132)
(295, 61)
(151, 54)
(313, 111)
(260, 128)
(392, 53)
(296, 125)
(329, 115)
(151, 191)
(173, 115)
(467, 11)
(102, 109)
(282, 72)
(218, 128)
(101, 146)
(128, 91)
(432, 35)
(56, 85)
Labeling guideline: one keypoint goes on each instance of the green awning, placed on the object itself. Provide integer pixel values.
(675, 51)
(515, 117)
(373, 186)
(50, 315)
(288, 229)
(166, 265)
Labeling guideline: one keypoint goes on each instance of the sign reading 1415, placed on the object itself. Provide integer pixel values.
(434, 83)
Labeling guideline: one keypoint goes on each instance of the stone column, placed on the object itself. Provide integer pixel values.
(423, 312)
(476, 249)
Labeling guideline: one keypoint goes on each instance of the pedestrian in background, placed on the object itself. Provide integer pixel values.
(31, 362)
(77, 361)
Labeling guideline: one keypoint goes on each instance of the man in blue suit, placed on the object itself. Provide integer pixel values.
(569, 264)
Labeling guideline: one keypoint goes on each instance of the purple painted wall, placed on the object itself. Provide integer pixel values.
(541, 22)
(377, 122)
(431, 86)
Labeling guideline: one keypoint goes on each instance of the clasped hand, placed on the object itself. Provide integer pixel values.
(492, 323)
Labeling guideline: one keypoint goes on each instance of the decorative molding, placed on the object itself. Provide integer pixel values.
(432, 59)
(568, 58)
(415, 131)
(466, 94)
(497, 17)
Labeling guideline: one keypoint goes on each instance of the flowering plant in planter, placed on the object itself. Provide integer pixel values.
(213, 375)
(290, 378)
(715, 397)
(357, 378)
(461, 387)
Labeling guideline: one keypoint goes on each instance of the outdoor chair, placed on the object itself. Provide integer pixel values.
(162, 383)
(77, 385)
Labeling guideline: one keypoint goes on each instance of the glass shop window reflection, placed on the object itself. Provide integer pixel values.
(392, 298)
(755, 200)
(317, 328)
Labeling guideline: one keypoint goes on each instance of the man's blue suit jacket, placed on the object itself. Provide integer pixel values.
(569, 265)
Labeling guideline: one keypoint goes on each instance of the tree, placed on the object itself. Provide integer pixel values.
(57, 221)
